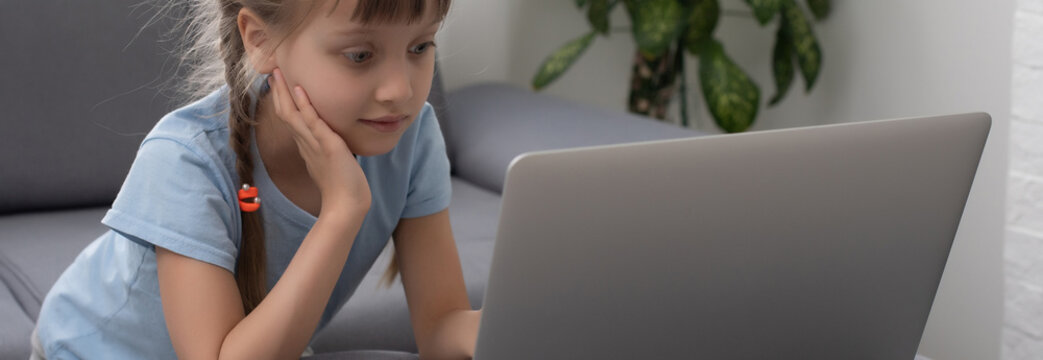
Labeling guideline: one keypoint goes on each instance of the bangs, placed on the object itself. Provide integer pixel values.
(397, 11)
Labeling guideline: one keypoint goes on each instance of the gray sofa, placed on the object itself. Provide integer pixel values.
(82, 87)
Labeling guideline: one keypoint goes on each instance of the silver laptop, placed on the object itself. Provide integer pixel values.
(825, 242)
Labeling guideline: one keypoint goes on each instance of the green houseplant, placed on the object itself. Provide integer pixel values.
(665, 30)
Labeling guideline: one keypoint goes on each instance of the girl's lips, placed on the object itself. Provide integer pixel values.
(387, 119)
(391, 125)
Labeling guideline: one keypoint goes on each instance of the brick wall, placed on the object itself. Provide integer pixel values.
(1023, 321)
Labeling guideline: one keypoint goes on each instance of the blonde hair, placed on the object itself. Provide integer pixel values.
(213, 54)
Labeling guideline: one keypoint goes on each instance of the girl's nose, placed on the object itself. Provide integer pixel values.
(395, 85)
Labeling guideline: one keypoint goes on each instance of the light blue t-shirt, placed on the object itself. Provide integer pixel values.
(181, 194)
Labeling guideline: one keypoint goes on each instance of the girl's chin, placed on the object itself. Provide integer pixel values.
(370, 148)
(367, 146)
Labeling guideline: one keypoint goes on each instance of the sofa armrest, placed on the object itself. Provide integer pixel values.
(493, 123)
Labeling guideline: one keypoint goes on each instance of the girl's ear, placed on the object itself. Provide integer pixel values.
(256, 41)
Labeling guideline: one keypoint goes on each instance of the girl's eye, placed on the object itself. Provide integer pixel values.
(419, 49)
(359, 57)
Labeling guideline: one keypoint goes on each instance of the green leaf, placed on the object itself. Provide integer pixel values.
(702, 20)
(560, 60)
(820, 8)
(764, 10)
(656, 24)
(809, 55)
(782, 62)
(597, 14)
(581, 3)
(732, 97)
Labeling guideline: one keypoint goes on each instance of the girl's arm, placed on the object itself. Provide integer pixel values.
(204, 313)
(443, 322)
(201, 302)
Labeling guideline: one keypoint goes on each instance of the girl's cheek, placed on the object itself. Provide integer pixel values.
(341, 106)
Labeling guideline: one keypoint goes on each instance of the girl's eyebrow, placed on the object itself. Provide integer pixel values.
(366, 30)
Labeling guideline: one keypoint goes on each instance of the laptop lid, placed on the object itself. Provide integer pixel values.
(824, 242)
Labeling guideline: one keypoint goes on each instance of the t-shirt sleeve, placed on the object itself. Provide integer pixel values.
(171, 198)
(430, 189)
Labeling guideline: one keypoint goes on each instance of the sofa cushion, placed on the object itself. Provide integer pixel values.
(16, 328)
(37, 247)
(493, 123)
(378, 318)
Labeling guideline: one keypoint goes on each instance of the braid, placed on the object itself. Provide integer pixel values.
(250, 267)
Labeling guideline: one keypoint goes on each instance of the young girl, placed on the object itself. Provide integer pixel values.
(341, 147)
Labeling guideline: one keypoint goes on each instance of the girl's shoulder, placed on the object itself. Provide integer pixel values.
(180, 192)
(201, 127)
(206, 115)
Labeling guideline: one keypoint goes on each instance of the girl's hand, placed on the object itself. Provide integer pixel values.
(330, 162)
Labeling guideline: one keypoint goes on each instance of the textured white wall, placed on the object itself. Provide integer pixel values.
(473, 44)
(1023, 325)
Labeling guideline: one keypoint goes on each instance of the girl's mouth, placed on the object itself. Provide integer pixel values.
(386, 124)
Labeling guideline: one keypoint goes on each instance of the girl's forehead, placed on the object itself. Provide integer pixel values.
(342, 10)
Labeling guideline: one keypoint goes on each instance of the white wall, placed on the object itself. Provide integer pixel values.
(473, 44)
(883, 59)
(1023, 326)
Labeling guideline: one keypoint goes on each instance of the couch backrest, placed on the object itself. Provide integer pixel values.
(78, 96)
(82, 85)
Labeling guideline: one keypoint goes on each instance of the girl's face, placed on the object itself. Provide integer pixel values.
(354, 72)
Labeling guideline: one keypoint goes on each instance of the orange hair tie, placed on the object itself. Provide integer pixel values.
(249, 192)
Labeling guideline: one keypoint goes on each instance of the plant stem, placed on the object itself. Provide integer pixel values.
(652, 84)
(679, 62)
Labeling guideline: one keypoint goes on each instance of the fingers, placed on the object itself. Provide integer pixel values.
(320, 130)
(295, 108)
(286, 108)
(304, 104)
